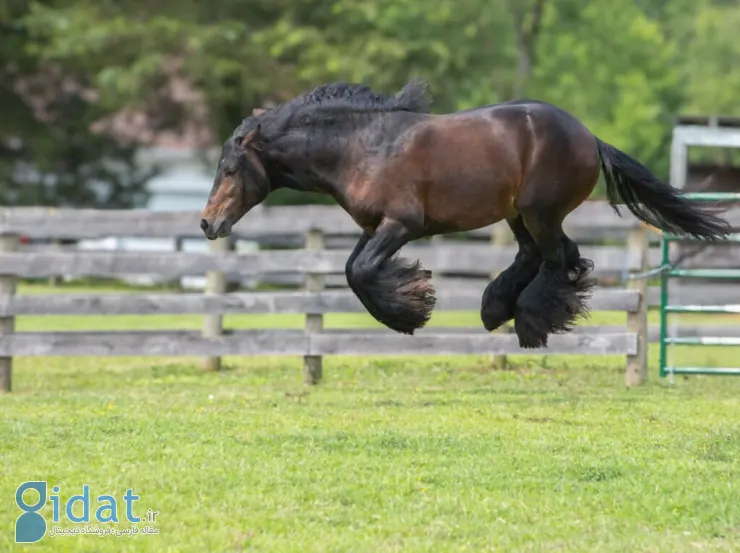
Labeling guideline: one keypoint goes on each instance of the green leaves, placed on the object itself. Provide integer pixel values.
(713, 64)
(612, 66)
(624, 67)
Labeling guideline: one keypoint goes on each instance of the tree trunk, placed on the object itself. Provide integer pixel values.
(527, 30)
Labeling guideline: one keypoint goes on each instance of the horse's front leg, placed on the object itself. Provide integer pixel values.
(362, 242)
(349, 270)
(393, 290)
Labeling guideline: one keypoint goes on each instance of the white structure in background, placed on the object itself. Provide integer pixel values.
(182, 185)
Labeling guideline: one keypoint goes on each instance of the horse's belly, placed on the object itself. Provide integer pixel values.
(470, 175)
(466, 202)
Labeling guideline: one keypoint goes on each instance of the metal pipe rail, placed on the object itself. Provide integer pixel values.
(667, 308)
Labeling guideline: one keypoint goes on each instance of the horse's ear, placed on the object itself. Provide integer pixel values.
(252, 138)
(258, 111)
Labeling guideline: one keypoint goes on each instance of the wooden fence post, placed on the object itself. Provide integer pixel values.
(312, 369)
(176, 283)
(54, 280)
(215, 284)
(7, 324)
(637, 321)
(500, 237)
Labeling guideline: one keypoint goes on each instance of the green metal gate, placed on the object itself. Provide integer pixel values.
(671, 272)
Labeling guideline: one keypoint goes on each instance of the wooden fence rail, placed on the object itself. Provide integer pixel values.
(38, 222)
(471, 259)
(446, 258)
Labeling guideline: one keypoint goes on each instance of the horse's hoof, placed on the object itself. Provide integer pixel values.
(495, 315)
(532, 341)
(530, 330)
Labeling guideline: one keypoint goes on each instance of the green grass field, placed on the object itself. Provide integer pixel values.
(389, 454)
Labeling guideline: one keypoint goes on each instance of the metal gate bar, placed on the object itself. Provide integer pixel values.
(713, 274)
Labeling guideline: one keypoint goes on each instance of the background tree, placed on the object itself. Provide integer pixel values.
(624, 67)
(49, 151)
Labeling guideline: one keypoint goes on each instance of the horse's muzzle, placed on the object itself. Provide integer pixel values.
(219, 228)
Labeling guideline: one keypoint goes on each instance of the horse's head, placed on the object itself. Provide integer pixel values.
(241, 183)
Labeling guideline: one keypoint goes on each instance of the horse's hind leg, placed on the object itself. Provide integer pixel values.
(557, 296)
(499, 299)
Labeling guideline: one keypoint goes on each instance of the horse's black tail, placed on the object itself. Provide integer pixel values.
(654, 202)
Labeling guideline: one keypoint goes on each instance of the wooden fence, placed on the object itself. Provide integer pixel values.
(448, 259)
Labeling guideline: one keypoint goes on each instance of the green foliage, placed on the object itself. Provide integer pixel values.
(49, 154)
(612, 66)
(624, 67)
(713, 71)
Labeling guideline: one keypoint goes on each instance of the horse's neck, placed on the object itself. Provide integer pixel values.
(313, 164)
(318, 158)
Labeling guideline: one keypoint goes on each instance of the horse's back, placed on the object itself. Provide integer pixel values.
(472, 167)
(555, 137)
(534, 111)
(510, 134)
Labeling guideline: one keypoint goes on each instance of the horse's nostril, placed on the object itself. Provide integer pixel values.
(203, 225)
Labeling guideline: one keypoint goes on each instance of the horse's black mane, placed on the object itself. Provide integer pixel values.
(330, 100)
(361, 98)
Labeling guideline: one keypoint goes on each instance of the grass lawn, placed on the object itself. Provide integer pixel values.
(389, 454)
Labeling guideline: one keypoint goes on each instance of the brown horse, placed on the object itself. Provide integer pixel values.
(402, 173)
